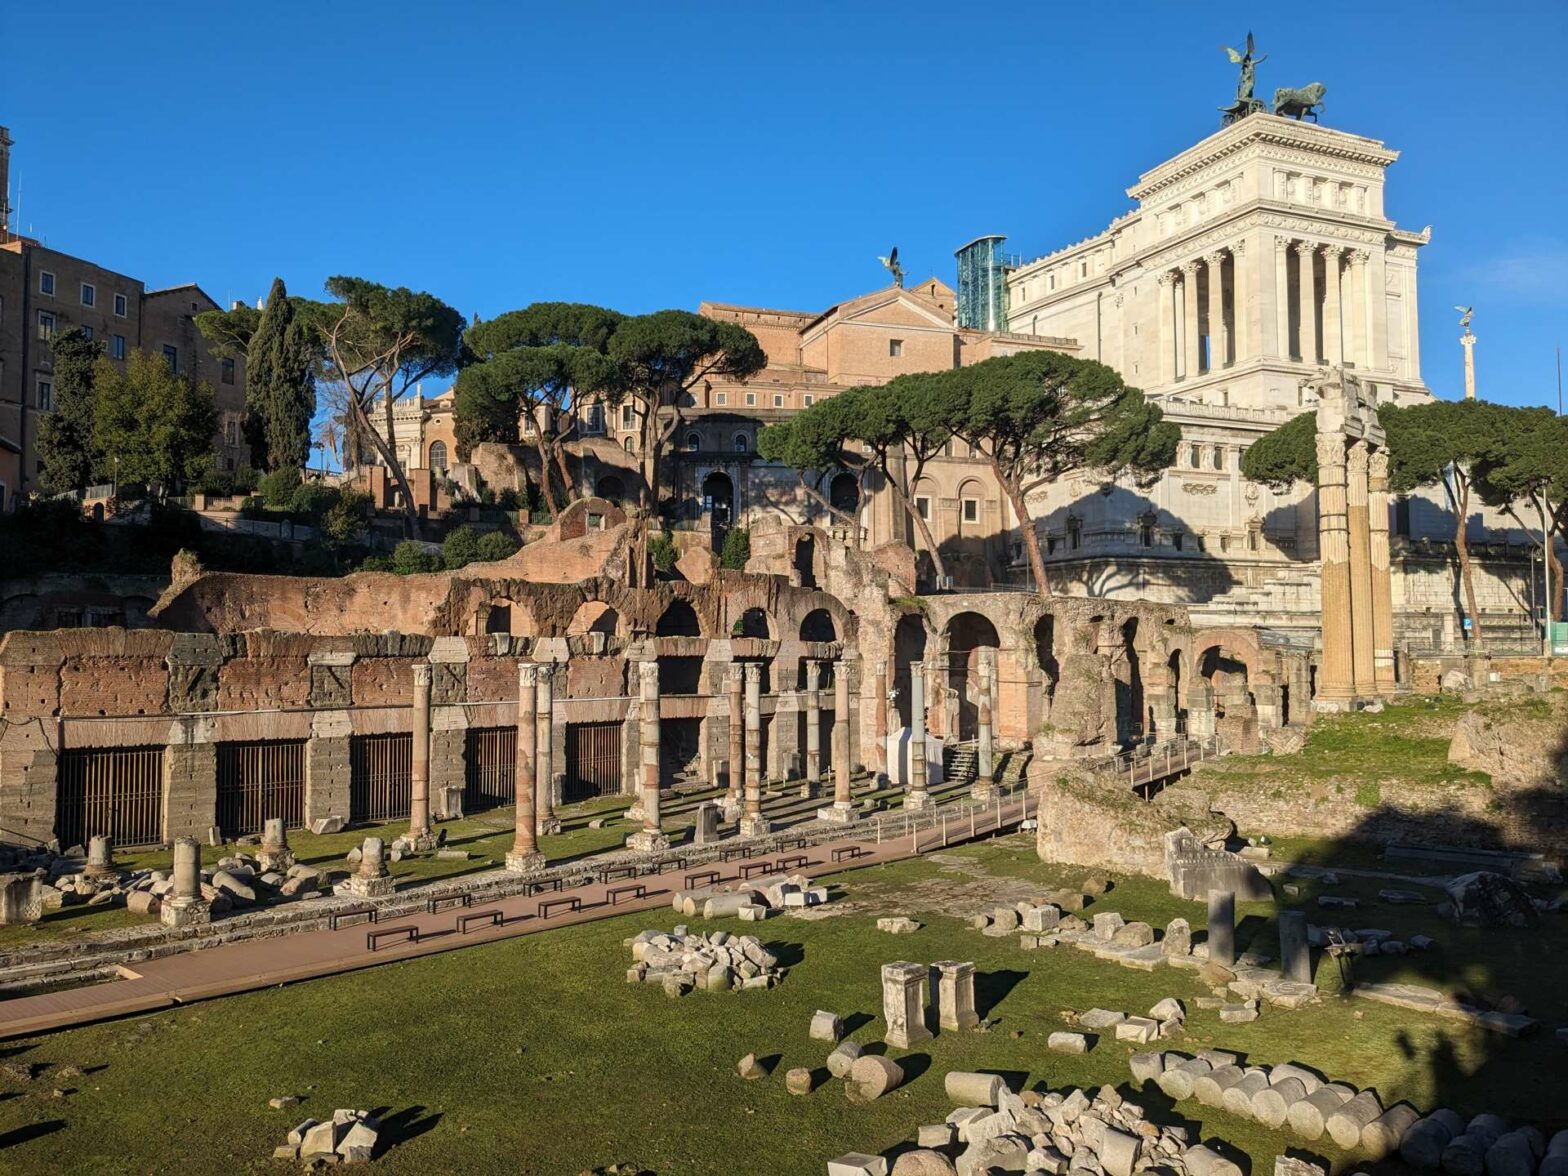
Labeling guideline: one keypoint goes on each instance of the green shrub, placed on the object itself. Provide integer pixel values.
(460, 549)
(663, 552)
(277, 488)
(311, 500)
(344, 521)
(737, 549)
(375, 563)
(495, 545)
(410, 558)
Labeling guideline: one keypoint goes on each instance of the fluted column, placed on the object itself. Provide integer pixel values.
(1333, 317)
(1282, 296)
(734, 794)
(1219, 336)
(813, 727)
(1359, 527)
(917, 796)
(1307, 292)
(1359, 332)
(650, 838)
(1165, 333)
(525, 855)
(1336, 674)
(419, 766)
(544, 752)
(1382, 588)
(1191, 327)
(752, 823)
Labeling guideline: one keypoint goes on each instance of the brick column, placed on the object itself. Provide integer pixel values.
(419, 771)
(916, 796)
(525, 855)
(752, 823)
(1359, 528)
(1382, 588)
(544, 753)
(813, 783)
(190, 779)
(1336, 673)
(734, 794)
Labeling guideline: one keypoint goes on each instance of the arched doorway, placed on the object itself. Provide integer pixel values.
(754, 622)
(679, 620)
(610, 487)
(844, 494)
(909, 646)
(818, 626)
(966, 633)
(718, 500)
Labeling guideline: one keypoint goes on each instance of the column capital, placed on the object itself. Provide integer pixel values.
(1331, 450)
(753, 673)
(1215, 259)
(527, 675)
(546, 671)
(1377, 469)
(736, 675)
(1304, 248)
(1166, 277)
(1282, 245)
(1189, 269)
(1237, 247)
(648, 674)
(1359, 257)
(421, 673)
(1356, 458)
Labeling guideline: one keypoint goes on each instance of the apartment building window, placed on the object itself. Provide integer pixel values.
(171, 356)
(778, 401)
(228, 371)
(45, 395)
(46, 323)
(895, 348)
(628, 416)
(923, 508)
(721, 398)
(808, 399)
(751, 398)
(121, 306)
(117, 347)
(1074, 534)
(971, 510)
(45, 282)
(89, 294)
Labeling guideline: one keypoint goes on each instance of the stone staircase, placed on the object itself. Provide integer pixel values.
(1292, 599)
(960, 762)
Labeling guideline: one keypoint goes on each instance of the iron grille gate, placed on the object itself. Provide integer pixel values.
(116, 792)
(490, 772)
(259, 780)
(380, 777)
(593, 761)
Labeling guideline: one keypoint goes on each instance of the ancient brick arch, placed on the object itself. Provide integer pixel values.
(1240, 643)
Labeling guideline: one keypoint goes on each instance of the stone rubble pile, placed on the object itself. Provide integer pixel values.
(751, 903)
(718, 962)
(1088, 1134)
(1368, 941)
(349, 1137)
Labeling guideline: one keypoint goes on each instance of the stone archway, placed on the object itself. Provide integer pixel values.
(678, 620)
(966, 633)
(818, 626)
(593, 616)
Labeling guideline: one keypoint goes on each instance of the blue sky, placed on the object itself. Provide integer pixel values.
(652, 155)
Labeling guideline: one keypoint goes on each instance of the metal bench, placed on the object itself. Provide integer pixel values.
(751, 869)
(609, 873)
(436, 901)
(677, 862)
(795, 861)
(546, 884)
(571, 902)
(792, 842)
(490, 915)
(848, 851)
(735, 851)
(408, 931)
(702, 878)
(635, 889)
(369, 912)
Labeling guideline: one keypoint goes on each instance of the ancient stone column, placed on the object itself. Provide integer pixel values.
(1382, 587)
(1307, 298)
(953, 991)
(544, 751)
(371, 880)
(984, 788)
(1200, 711)
(184, 906)
(880, 762)
(1282, 297)
(734, 793)
(1222, 927)
(1219, 345)
(419, 772)
(903, 1004)
(274, 853)
(100, 857)
(916, 795)
(525, 855)
(1358, 526)
(1295, 957)
(1336, 672)
(1191, 328)
(1165, 333)
(753, 824)
(1357, 335)
(650, 838)
(813, 728)
(843, 801)
(1333, 318)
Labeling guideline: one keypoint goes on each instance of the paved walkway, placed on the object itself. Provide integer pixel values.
(263, 963)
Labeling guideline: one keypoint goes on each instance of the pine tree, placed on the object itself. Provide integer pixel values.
(280, 389)
(65, 436)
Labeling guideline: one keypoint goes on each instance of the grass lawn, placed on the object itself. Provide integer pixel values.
(535, 1057)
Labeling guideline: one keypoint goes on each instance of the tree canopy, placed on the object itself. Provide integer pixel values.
(280, 385)
(66, 449)
(151, 424)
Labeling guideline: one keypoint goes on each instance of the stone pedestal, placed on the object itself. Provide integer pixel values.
(528, 862)
(100, 858)
(838, 813)
(184, 906)
(1222, 927)
(1295, 957)
(903, 1004)
(648, 841)
(758, 826)
(21, 899)
(274, 853)
(953, 985)
(706, 831)
(371, 880)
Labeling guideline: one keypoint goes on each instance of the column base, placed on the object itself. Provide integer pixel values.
(190, 912)
(919, 802)
(636, 813)
(420, 843)
(755, 826)
(648, 841)
(982, 791)
(915, 1035)
(548, 827)
(525, 863)
(730, 807)
(361, 887)
(101, 871)
(1333, 706)
(280, 860)
(840, 813)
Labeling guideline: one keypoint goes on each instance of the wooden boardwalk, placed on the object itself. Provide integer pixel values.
(262, 963)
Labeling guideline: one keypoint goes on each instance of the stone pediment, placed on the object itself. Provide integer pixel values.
(893, 307)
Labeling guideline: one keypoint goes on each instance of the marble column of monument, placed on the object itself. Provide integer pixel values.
(1358, 527)
(1191, 327)
(525, 855)
(752, 823)
(1165, 333)
(1307, 302)
(984, 787)
(1244, 334)
(813, 784)
(419, 835)
(917, 796)
(734, 793)
(1336, 672)
(650, 838)
(1356, 284)
(544, 751)
(880, 728)
(1282, 347)
(1219, 347)
(1333, 318)
(184, 906)
(1382, 586)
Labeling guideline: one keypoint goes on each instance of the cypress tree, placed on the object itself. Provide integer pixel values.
(65, 436)
(280, 390)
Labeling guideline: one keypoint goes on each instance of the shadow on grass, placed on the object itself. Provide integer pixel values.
(31, 1131)
(991, 988)
(787, 954)
(855, 1021)
(913, 1065)
(401, 1126)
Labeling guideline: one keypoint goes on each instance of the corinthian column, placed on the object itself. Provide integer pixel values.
(1191, 328)
(1359, 528)
(419, 767)
(1165, 332)
(1219, 337)
(734, 795)
(1382, 588)
(1333, 319)
(753, 824)
(916, 796)
(525, 855)
(544, 751)
(1241, 284)
(813, 728)
(1282, 298)
(1336, 676)
(1307, 294)
(1358, 333)
(650, 838)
